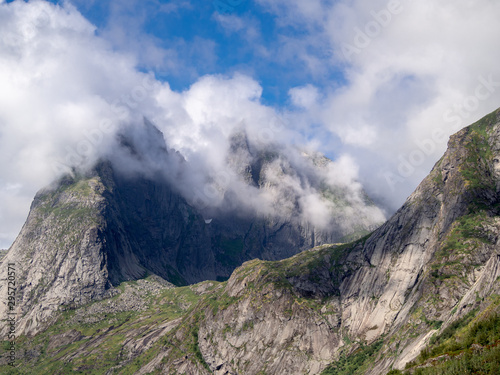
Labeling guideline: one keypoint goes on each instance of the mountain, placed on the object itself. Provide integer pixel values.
(421, 292)
(122, 221)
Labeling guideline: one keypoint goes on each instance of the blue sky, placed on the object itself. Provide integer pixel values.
(203, 46)
(376, 85)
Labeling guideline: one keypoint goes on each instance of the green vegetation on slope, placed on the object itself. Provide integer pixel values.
(457, 256)
(357, 362)
(69, 204)
(479, 154)
(325, 266)
(470, 345)
(97, 336)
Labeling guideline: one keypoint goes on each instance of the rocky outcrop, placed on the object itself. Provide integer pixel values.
(271, 328)
(94, 229)
(58, 258)
(432, 263)
(379, 299)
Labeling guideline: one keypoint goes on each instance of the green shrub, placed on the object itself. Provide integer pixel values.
(464, 360)
(356, 362)
(395, 372)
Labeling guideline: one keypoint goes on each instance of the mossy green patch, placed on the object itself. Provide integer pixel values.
(355, 363)
(104, 334)
(469, 345)
(479, 154)
(468, 233)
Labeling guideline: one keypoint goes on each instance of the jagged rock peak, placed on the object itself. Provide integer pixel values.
(123, 220)
(368, 306)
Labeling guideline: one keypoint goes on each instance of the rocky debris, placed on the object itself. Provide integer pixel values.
(134, 297)
(477, 347)
(203, 288)
(434, 361)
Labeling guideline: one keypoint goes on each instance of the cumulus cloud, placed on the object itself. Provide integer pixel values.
(239, 155)
(412, 72)
(67, 93)
(57, 82)
(304, 97)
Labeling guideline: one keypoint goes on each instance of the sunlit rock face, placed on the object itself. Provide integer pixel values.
(373, 303)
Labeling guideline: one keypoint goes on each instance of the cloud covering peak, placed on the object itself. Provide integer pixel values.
(67, 95)
(378, 86)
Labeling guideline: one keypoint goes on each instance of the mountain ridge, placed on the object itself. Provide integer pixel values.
(92, 230)
(367, 307)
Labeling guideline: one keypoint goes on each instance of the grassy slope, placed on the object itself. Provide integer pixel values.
(104, 334)
(469, 346)
(467, 235)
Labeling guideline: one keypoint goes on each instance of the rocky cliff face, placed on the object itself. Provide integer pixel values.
(93, 230)
(435, 261)
(362, 307)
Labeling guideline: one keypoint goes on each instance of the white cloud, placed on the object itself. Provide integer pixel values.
(58, 83)
(216, 108)
(304, 97)
(231, 22)
(412, 65)
(432, 66)
(247, 27)
(66, 91)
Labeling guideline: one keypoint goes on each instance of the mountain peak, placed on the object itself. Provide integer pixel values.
(362, 307)
(125, 219)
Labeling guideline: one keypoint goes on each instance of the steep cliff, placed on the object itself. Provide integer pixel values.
(358, 308)
(94, 229)
(373, 304)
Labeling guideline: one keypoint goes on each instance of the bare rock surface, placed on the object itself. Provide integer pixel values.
(435, 261)
(93, 230)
